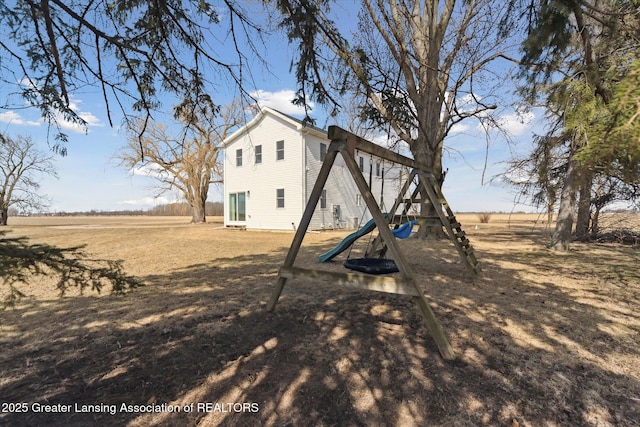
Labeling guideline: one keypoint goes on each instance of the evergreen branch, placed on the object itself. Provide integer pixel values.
(22, 263)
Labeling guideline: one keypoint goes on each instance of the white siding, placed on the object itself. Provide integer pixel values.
(341, 189)
(296, 174)
(261, 181)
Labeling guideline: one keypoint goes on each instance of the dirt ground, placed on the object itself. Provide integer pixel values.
(541, 338)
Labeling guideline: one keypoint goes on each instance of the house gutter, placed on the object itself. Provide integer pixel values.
(303, 133)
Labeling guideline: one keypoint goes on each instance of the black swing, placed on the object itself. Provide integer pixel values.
(372, 265)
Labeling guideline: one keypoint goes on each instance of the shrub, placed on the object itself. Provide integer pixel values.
(484, 217)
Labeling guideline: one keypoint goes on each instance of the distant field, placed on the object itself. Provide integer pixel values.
(106, 221)
(541, 338)
(608, 220)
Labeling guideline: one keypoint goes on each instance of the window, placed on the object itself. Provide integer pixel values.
(323, 151)
(280, 198)
(239, 157)
(358, 199)
(280, 150)
(323, 200)
(237, 207)
(361, 164)
(377, 168)
(258, 150)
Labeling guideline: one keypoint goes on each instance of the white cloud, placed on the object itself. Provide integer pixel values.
(16, 119)
(379, 139)
(514, 124)
(149, 169)
(280, 100)
(459, 128)
(518, 176)
(517, 123)
(90, 119)
(467, 102)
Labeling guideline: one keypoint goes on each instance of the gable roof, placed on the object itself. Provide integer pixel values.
(264, 111)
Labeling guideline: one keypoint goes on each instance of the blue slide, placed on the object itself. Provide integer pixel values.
(348, 241)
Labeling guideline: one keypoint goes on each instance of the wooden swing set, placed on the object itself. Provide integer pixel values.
(346, 144)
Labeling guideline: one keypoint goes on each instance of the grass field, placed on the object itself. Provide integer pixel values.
(541, 338)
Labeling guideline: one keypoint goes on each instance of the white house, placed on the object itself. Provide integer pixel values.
(271, 165)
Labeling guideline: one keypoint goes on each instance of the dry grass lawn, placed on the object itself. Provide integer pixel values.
(541, 338)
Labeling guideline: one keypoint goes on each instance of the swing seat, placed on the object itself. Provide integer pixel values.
(404, 230)
(371, 265)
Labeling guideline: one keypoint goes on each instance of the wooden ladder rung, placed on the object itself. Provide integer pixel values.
(449, 221)
(426, 217)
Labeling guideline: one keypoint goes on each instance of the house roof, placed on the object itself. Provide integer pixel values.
(303, 124)
(264, 111)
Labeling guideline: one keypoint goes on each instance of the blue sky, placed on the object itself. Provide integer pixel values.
(88, 177)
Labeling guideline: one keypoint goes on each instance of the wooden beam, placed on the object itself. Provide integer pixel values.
(387, 284)
(304, 223)
(336, 133)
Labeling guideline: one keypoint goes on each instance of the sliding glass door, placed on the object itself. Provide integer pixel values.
(237, 207)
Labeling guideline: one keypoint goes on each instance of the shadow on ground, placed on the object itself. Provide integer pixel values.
(529, 350)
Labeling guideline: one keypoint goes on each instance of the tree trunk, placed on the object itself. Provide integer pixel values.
(428, 231)
(198, 215)
(584, 208)
(564, 224)
(549, 214)
(433, 160)
(4, 216)
(595, 222)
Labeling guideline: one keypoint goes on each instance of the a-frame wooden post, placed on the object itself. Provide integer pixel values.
(316, 193)
(450, 223)
(432, 323)
(427, 184)
(378, 249)
(345, 143)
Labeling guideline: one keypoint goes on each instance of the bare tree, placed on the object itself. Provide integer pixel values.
(21, 165)
(188, 160)
(422, 65)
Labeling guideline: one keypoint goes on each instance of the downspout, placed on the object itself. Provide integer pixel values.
(305, 170)
(225, 207)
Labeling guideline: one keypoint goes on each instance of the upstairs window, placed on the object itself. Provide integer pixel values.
(239, 157)
(361, 164)
(323, 151)
(258, 151)
(280, 150)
